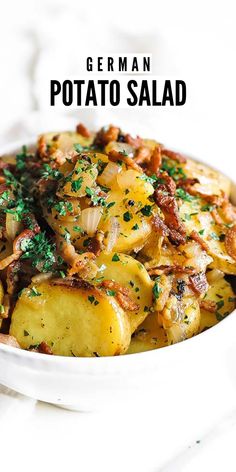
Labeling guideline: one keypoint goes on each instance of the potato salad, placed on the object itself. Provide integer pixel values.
(111, 244)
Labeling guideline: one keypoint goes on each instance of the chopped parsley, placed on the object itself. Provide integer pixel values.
(40, 251)
(127, 216)
(111, 293)
(48, 172)
(115, 258)
(180, 193)
(135, 227)
(76, 184)
(34, 292)
(63, 208)
(207, 207)
(146, 210)
(156, 290)
(93, 300)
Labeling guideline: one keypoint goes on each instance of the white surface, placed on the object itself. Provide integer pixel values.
(195, 40)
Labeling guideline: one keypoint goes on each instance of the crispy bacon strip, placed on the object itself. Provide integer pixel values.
(105, 136)
(229, 211)
(230, 242)
(176, 268)
(122, 294)
(155, 161)
(170, 209)
(159, 226)
(175, 156)
(135, 142)
(81, 129)
(168, 185)
(187, 184)
(215, 215)
(42, 148)
(196, 237)
(78, 262)
(17, 251)
(208, 305)
(44, 348)
(115, 156)
(198, 283)
(143, 155)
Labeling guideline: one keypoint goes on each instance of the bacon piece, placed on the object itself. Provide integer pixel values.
(17, 251)
(176, 237)
(159, 226)
(122, 295)
(81, 129)
(73, 282)
(135, 142)
(42, 148)
(228, 211)
(115, 156)
(176, 268)
(105, 136)
(186, 184)
(9, 340)
(198, 283)
(143, 155)
(196, 237)
(155, 161)
(168, 185)
(78, 262)
(94, 246)
(170, 209)
(175, 156)
(208, 305)
(44, 348)
(215, 215)
(230, 242)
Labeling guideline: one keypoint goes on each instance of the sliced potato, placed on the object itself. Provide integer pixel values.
(135, 227)
(73, 320)
(212, 233)
(222, 294)
(211, 182)
(148, 336)
(130, 274)
(65, 140)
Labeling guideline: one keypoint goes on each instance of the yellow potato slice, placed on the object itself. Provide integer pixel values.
(211, 232)
(72, 320)
(222, 294)
(131, 274)
(148, 336)
(211, 182)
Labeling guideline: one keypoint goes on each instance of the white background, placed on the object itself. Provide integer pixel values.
(195, 41)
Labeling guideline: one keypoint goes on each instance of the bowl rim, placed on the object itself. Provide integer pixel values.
(123, 360)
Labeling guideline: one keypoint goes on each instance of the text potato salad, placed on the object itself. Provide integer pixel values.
(111, 244)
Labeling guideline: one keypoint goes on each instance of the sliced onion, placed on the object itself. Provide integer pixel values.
(41, 277)
(113, 233)
(109, 174)
(120, 147)
(12, 226)
(89, 219)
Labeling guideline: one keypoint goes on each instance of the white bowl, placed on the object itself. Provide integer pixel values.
(90, 383)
